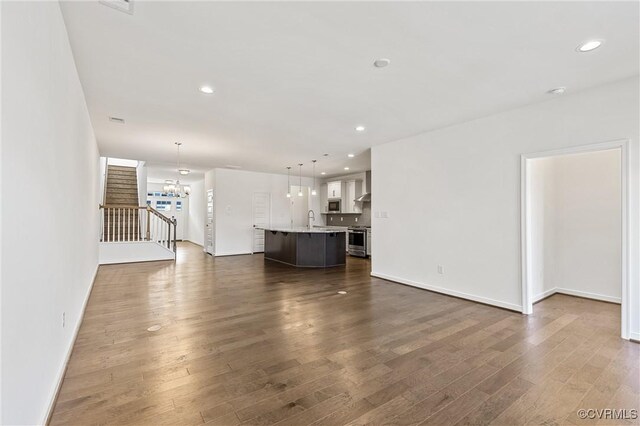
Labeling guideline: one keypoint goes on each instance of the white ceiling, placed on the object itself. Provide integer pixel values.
(292, 80)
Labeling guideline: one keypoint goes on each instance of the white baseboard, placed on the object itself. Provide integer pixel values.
(63, 370)
(193, 242)
(544, 295)
(467, 296)
(577, 293)
(231, 254)
(635, 337)
(587, 295)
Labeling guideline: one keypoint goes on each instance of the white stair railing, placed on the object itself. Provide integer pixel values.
(137, 223)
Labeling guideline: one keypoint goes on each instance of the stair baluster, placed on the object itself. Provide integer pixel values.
(125, 224)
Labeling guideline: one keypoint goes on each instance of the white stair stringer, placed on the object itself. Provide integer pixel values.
(133, 251)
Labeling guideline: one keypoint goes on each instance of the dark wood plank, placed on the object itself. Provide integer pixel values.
(255, 342)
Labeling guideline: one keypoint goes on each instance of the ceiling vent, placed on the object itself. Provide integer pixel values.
(125, 6)
(117, 120)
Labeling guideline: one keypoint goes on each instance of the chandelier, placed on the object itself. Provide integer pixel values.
(175, 189)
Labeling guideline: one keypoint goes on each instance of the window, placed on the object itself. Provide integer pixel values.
(178, 206)
(163, 206)
(149, 202)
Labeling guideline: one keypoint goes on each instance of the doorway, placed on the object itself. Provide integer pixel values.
(261, 219)
(210, 226)
(574, 225)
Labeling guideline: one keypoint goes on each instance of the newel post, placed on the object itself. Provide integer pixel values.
(148, 223)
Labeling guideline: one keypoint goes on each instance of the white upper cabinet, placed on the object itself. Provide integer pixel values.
(334, 189)
(346, 191)
(353, 189)
(323, 198)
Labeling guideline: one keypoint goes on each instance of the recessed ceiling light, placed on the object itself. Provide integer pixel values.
(207, 90)
(154, 327)
(360, 128)
(350, 155)
(346, 168)
(342, 292)
(590, 45)
(323, 173)
(168, 181)
(557, 91)
(184, 171)
(381, 63)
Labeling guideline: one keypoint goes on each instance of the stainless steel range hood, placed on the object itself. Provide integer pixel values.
(366, 197)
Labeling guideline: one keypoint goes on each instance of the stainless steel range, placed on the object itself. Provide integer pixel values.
(358, 241)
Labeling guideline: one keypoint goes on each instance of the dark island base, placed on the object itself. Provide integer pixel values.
(305, 249)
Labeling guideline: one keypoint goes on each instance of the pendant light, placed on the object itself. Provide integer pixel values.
(288, 182)
(300, 183)
(313, 191)
(176, 189)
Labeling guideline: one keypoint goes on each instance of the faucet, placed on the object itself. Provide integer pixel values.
(311, 216)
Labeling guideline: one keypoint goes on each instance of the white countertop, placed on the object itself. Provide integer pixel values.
(304, 229)
(343, 228)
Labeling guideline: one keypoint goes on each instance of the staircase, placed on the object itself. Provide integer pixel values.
(121, 223)
(122, 186)
(131, 232)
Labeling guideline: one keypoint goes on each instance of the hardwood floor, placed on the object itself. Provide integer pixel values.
(244, 341)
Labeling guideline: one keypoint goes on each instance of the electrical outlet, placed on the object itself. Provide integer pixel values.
(356, 220)
(330, 219)
(341, 218)
(440, 269)
(64, 319)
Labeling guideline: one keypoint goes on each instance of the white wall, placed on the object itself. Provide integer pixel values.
(542, 196)
(102, 180)
(233, 192)
(578, 225)
(49, 255)
(452, 196)
(141, 175)
(1, 283)
(196, 213)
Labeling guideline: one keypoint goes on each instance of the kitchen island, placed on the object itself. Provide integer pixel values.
(305, 247)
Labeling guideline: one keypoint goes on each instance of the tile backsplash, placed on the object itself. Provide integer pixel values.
(364, 219)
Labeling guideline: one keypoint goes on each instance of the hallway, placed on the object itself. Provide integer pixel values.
(244, 341)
